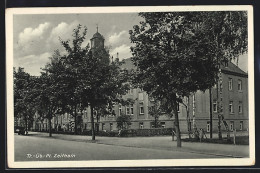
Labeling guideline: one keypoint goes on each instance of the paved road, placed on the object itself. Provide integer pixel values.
(31, 148)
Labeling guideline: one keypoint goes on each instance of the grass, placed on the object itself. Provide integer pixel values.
(240, 140)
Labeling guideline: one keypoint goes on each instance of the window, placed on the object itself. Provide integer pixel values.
(163, 124)
(141, 109)
(215, 106)
(240, 107)
(152, 109)
(111, 126)
(230, 83)
(241, 125)
(231, 125)
(193, 105)
(132, 109)
(119, 110)
(127, 110)
(141, 96)
(231, 107)
(152, 124)
(85, 126)
(95, 113)
(130, 91)
(226, 63)
(178, 107)
(208, 126)
(85, 113)
(220, 87)
(239, 85)
(141, 125)
(103, 126)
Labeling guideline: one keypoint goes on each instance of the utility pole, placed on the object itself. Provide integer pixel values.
(210, 112)
(220, 106)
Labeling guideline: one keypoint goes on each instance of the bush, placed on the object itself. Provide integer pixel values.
(240, 140)
(101, 133)
(123, 133)
(146, 132)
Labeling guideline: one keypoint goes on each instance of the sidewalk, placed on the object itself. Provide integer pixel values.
(158, 143)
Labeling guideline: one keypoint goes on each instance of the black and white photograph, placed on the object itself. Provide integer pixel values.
(130, 86)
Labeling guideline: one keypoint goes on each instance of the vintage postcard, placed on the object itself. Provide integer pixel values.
(130, 86)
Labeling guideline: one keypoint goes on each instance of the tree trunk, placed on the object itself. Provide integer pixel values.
(176, 123)
(155, 122)
(50, 128)
(188, 121)
(92, 123)
(219, 128)
(26, 126)
(75, 121)
(97, 125)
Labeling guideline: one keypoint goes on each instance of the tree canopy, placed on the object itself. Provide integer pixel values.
(177, 53)
(24, 97)
(84, 77)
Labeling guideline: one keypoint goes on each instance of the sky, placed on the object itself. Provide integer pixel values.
(35, 37)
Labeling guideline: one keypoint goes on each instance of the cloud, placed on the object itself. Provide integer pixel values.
(30, 34)
(33, 63)
(116, 38)
(30, 40)
(242, 62)
(123, 51)
(64, 31)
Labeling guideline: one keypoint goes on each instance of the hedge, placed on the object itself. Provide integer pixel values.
(146, 132)
(122, 133)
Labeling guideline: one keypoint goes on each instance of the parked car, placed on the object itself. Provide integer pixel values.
(20, 130)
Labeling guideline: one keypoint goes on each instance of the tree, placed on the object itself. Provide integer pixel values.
(108, 83)
(24, 97)
(156, 111)
(94, 80)
(73, 65)
(52, 90)
(123, 121)
(177, 53)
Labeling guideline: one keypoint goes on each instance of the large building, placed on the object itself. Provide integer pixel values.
(231, 93)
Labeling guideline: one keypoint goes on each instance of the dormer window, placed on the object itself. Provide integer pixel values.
(226, 63)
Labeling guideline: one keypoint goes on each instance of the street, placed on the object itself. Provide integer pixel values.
(40, 147)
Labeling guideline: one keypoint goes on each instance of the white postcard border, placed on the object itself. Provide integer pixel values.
(126, 163)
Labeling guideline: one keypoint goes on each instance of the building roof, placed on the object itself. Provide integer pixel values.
(230, 69)
(97, 35)
(128, 64)
(233, 69)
